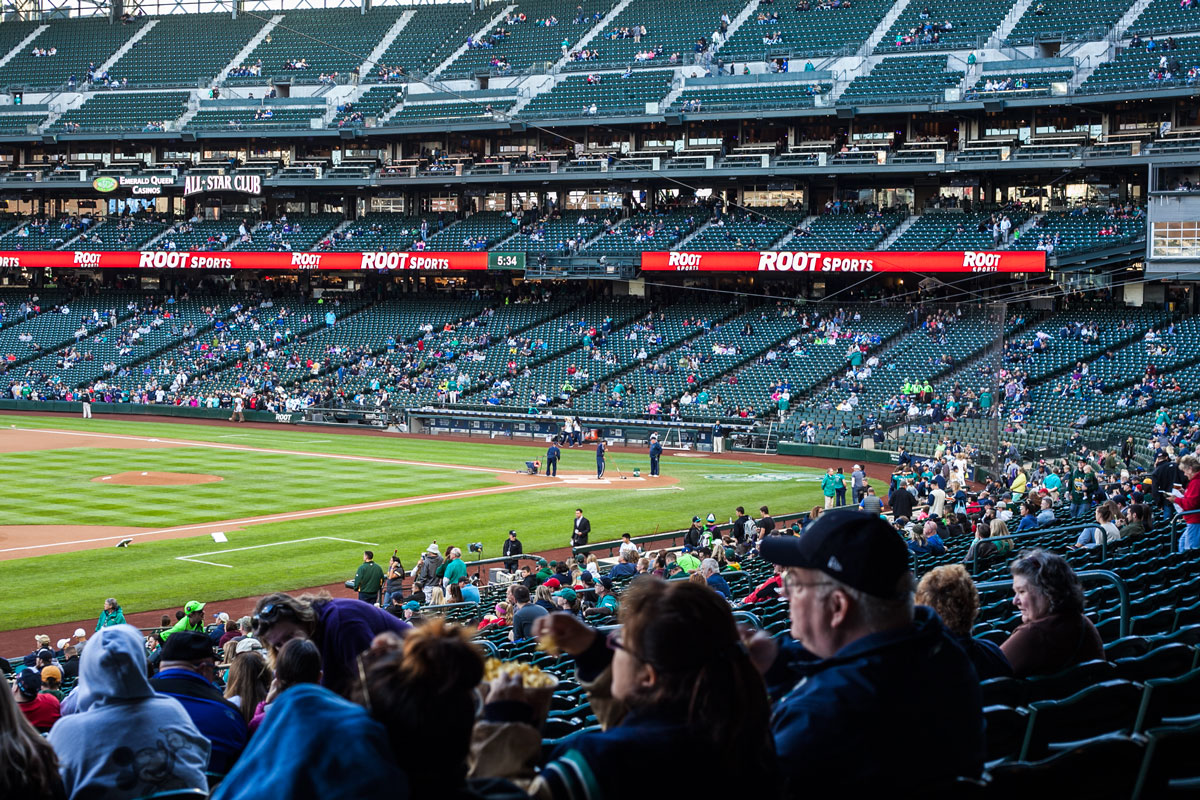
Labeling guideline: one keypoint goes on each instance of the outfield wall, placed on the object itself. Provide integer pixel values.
(129, 409)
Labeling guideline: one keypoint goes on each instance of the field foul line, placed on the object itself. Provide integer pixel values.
(196, 560)
(247, 449)
(312, 512)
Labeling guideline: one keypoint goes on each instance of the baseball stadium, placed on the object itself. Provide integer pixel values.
(518, 399)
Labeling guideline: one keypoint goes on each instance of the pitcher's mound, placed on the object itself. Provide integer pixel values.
(157, 478)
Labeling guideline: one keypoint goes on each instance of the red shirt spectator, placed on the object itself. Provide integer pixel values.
(42, 711)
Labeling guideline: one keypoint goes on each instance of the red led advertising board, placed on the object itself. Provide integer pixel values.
(130, 259)
(866, 261)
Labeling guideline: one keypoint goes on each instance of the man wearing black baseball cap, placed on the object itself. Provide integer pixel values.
(188, 669)
(866, 670)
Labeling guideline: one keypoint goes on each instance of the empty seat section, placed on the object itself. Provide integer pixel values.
(1075, 231)
(923, 25)
(850, 231)
(558, 236)
(204, 44)
(118, 234)
(821, 30)
(255, 117)
(476, 232)
(208, 235)
(672, 26)
(647, 231)
(433, 33)
(1067, 20)
(20, 124)
(893, 80)
(78, 43)
(521, 43)
(123, 111)
(381, 231)
(746, 229)
(573, 96)
(751, 96)
(1166, 16)
(327, 41)
(298, 232)
(1138, 68)
(373, 104)
(417, 113)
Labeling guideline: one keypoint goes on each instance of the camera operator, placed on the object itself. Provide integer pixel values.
(512, 547)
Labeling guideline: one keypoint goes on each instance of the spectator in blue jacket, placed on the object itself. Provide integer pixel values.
(844, 687)
(712, 576)
(187, 674)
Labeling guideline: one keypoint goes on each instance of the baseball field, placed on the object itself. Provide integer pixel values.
(295, 507)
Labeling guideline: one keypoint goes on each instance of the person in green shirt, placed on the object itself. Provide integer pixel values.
(544, 571)
(369, 579)
(828, 487)
(193, 619)
(111, 615)
(1082, 486)
(606, 602)
(455, 568)
(687, 561)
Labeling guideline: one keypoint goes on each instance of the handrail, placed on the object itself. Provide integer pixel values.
(1104, 575)
(781, 521)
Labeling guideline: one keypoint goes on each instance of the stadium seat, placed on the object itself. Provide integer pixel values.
(1005, 731)
(1107, 707)
(1170, 767)
(1104, 768)
(1166, 699)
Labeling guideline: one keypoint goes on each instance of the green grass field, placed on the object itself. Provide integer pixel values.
(55, 487)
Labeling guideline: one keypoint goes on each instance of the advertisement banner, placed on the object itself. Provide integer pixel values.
(130, 259)
(1007, 261)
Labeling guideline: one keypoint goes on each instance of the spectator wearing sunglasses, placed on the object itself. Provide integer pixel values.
(341, 628)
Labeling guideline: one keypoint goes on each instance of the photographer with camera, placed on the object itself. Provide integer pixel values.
(425, 572)
(512, 547)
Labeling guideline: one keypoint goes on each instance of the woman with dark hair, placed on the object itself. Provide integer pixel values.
(1053, 634)
(248, 682)
(341, 629)
(428, 678)
(673, 684)
(298, 661)
(28, 766)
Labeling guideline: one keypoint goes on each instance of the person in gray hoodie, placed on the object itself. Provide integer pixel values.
(125, 741)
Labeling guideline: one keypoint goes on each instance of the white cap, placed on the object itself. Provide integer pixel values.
(63, 643)
(248, 644)
(223, 617)
(79, 634)
(433, 548)
(856, 466)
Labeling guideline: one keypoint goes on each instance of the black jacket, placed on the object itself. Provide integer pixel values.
(579, 534)
(902, 502)
(512, 547)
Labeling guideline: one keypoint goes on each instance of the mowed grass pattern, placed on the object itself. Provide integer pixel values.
(148, 576)
(55, 487)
